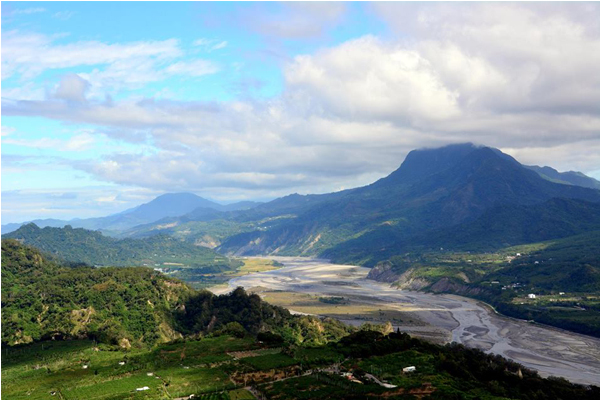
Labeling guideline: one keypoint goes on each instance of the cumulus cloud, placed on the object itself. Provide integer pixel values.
(516, 76)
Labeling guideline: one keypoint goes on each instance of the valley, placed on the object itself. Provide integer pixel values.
(447, 318)
(461, 220)
(93, 340)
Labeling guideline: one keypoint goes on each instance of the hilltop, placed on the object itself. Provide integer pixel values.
(93, 248)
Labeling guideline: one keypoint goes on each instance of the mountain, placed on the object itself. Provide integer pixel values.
(434, 189)
(569, 177)
(93, 248)
(164, 206)
(498, 227)
(169, 205)
(55, 223)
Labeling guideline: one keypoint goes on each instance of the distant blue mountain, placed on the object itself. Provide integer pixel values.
(166, 205)
(570, 177)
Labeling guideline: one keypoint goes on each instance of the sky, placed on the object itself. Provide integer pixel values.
(107, 105)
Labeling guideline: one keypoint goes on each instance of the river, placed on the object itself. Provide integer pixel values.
(547, 350)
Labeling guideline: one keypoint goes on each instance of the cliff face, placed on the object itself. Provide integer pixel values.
(409, 279)
(386, 272)
(446, 285)
(383, 272)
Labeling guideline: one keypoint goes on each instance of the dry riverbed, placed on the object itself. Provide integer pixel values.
(303, 283)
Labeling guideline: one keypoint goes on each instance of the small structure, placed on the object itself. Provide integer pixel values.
(536, 262)
(142, 389)
(531, 296)
(409, 369)
(561, 293)
(85, 366)
(121, 362)
(150, 374)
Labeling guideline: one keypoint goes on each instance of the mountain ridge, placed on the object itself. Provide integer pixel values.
(459, 184)
(163, 206)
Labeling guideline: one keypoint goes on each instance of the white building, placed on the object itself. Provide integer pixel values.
(531, 296)
(409, 369)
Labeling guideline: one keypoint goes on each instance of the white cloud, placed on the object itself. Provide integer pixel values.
(7, 130)
(30, 54)
(79, 142)
(296, 20)
(27, 11)
(66, 202)
(63, 15)
(115, 66)
(72, 88)
(220, 45)
(210, 44)
(365, 78)
(518, 77)
(192, 68)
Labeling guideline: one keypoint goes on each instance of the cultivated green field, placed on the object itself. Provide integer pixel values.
(359, 366)
(84, 370)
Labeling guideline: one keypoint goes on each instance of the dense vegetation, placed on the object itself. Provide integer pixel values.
(93, 248)
(43, 299)
(570, 266)
(220, 366)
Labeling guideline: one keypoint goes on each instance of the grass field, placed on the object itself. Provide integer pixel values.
(270, 361)
(82, 370)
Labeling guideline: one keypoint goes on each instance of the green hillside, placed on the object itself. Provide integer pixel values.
(43, 299)
(93, 248)
(498, 228)
(505, 277)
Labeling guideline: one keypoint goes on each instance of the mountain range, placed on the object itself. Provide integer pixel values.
(78, 245)
(436, 193)
(163, 206)
(462, 196)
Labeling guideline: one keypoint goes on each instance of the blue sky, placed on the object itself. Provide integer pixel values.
(106, 105)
